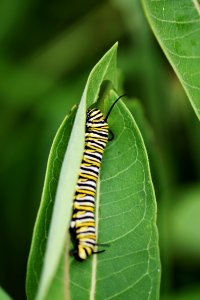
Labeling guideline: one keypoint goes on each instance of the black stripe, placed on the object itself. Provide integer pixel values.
(95, 115)
(79, 226)
(96, 132)
(81, 185)
(86, 205)
(82, 174)
(93, 155)
(98, 144)
(87, 169)
(85, 217)
(87, 182)
(79, 201)
(90, 243)
(99, 133)
(85, 179)
(91, 147)
(84, 208)
(87, 254)
(103, 129)
(95, 138)
(86, 232)
(92, 151)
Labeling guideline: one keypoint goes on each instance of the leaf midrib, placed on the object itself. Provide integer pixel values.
(94, 258)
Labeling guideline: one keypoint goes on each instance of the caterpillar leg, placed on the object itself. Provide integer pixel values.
(112, 135)
(97, 252)
(100, 251)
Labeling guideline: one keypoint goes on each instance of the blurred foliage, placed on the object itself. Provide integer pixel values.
(47, 50)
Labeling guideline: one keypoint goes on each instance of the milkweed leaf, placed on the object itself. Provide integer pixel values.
(126, 221)
(176, 27)
(125, 210)
(62, 171)
(4, 295)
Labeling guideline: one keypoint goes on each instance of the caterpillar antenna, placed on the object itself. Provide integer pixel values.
(97, 252)
(106, 118)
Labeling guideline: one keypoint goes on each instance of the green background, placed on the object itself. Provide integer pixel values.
(47, 51)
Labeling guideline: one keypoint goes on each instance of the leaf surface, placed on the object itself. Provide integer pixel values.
(176, 25)
(125, 209)
(38, 247)
(47, 256)
(184, 221)
(125, 220)
(4, 295)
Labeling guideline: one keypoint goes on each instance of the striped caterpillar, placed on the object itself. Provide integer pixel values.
(82, 226)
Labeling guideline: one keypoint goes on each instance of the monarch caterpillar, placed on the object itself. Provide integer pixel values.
(82, 226)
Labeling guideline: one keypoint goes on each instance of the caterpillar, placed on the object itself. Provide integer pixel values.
(82, 226)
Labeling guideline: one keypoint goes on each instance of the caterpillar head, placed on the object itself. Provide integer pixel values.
(75, 253)
(81, 252)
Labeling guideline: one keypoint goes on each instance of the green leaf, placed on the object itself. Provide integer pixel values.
(125, 219)
(125, 210)
(62, 170)
(176, 27)
(4, 295)
(184, 221)
(42, 224)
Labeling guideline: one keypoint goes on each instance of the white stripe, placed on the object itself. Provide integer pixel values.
(79, 221)
(96, 115)
(92, 124)
(84, 203)
(87, 241)
(89, 181)
(92, 158)
(103, 144)
(84, 200)
(87, 214)
(83, 229)
(94, 153)
(99, 131)
(91, 135)
(95, 145)
(87, 197)
(72, 224)
(90, 168)
(90, 172)
(91, 228)
(84, 187)
(83, 235)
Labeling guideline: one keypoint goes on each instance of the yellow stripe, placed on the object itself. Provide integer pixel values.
(91, 224)
(84, 239)
(89, 176)
(91, 162)
(94, 149)
(87, 192)
(79, 196)
(84, 164)
(83, 208)
(89, 249)
(104, 129)
(83, 228)
(101, 139)
(86, 236)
